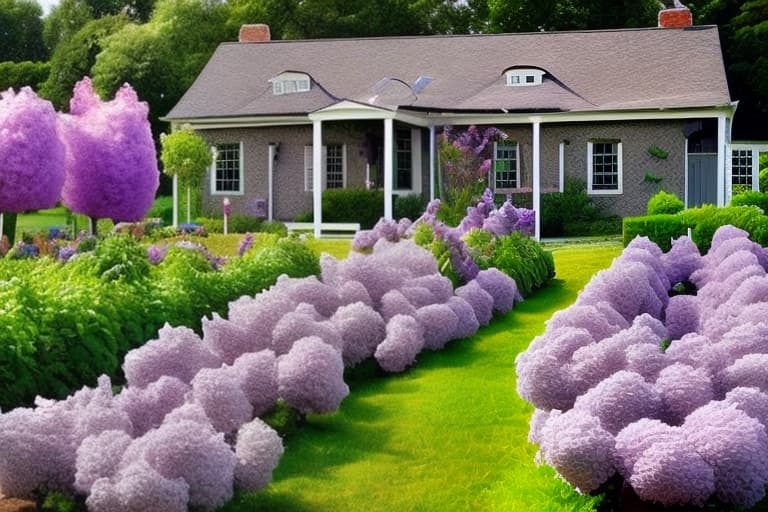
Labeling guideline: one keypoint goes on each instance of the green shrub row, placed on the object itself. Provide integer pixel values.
(241, 224)
(364, 206)
(64, 325)
(703, 223)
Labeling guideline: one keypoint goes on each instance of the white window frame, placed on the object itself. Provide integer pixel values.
(619, 168)
(524, 77)
(240, 177)
(308, 166)
(290, 83)
(496, 146)
(742, 153)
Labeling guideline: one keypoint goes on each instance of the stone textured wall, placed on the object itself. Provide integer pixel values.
(636, 138)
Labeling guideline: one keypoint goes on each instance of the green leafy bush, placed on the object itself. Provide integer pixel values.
(409, 206)
(572, 212)
(350, 205)
(764, 180)
(664, 202)
(517, 255)
(703, 222)
(66, 324)
(751, 198)
(162, 208)
(235, 224)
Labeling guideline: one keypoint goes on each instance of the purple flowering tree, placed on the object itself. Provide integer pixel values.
(466, 158)
(111, 169)
(31, 154)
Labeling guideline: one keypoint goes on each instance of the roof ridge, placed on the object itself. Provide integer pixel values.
(459, 36)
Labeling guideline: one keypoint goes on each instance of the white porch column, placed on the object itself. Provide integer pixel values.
(175, 201)
(537, 179)
(317, 178)
(270, 179)
(431, 162)
(388, 167)
(721, 162)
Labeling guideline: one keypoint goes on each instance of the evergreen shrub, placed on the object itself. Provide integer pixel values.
(664, 202)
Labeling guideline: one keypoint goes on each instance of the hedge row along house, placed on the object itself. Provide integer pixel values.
(625, 111)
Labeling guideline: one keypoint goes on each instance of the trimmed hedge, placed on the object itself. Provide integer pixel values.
(751, 198)
(64, 325)
(703, 222)
(664, 202)
(364, 206)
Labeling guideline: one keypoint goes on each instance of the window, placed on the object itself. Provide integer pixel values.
(227, 172)
(403, 159)
(290, 83)
(604, 163)
(741, 167)
(505, 171)
(334, 166)
(523, 77)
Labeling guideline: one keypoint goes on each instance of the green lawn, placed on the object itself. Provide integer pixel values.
(449, 434)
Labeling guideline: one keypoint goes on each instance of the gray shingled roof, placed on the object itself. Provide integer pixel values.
(586, 71)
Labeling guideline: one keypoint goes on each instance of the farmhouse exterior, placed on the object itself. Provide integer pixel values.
(626, 111)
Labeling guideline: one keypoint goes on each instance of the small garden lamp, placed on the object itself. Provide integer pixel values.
(227, 212)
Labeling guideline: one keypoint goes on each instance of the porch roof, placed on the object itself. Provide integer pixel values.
(586, 71)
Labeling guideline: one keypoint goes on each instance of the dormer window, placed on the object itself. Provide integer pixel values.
(521, 77)
(290, 83)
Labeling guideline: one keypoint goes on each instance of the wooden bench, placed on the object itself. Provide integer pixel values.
(329, 229)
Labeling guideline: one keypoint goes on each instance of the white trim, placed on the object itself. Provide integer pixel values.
(388, 167)
(271, 180)
(619, 169)
(346, 109)
(241, 178)
(685, 152)
(728, 174)
(721, 161)
(317, 165)
(308, 173)
(536, 179)
(344, 165)
(561, 166)
(431, 163)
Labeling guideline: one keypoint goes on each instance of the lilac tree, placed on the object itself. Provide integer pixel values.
(31, 154)
(111, 169)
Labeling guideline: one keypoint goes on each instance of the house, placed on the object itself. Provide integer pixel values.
(626, 111)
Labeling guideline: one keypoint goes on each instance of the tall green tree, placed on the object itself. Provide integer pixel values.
(20, 74)
(743, 27)
(21, 31)
(64, 20)
(74, 57)
(162, 57)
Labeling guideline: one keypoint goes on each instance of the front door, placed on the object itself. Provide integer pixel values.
(702, 179)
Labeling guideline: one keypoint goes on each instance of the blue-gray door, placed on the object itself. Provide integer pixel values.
(702, 179)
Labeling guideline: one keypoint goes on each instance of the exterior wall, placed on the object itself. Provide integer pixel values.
(290, 198)
(636, 138)
(523, 135)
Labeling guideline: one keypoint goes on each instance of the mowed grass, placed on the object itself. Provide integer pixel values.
(448, 434)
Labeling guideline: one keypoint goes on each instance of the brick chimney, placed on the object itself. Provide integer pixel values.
(257, 33)
(675, 17)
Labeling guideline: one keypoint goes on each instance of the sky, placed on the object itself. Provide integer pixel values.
(47, 5)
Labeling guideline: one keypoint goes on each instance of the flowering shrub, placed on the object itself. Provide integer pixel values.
(668, 392)
(111, 169)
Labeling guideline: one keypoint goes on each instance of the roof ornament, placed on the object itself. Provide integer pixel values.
(391, 90)
(421, 83)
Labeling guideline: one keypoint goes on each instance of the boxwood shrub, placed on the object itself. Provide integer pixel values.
(703, 222)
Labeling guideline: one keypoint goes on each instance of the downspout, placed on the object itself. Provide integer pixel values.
(388, 167)
(317, 180)
(270, 180)
(431, 162)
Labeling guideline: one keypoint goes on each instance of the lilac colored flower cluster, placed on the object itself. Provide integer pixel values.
(485, 215)
(184, 431)
(671, 393)
(111, 169)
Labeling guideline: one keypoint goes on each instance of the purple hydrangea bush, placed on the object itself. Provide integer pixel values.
(184, 432)
(659, 372)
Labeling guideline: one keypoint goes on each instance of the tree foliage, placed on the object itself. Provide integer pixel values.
(74, 57)
(186, 155)
(21, 31)
(21, 74)
(64, 21)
